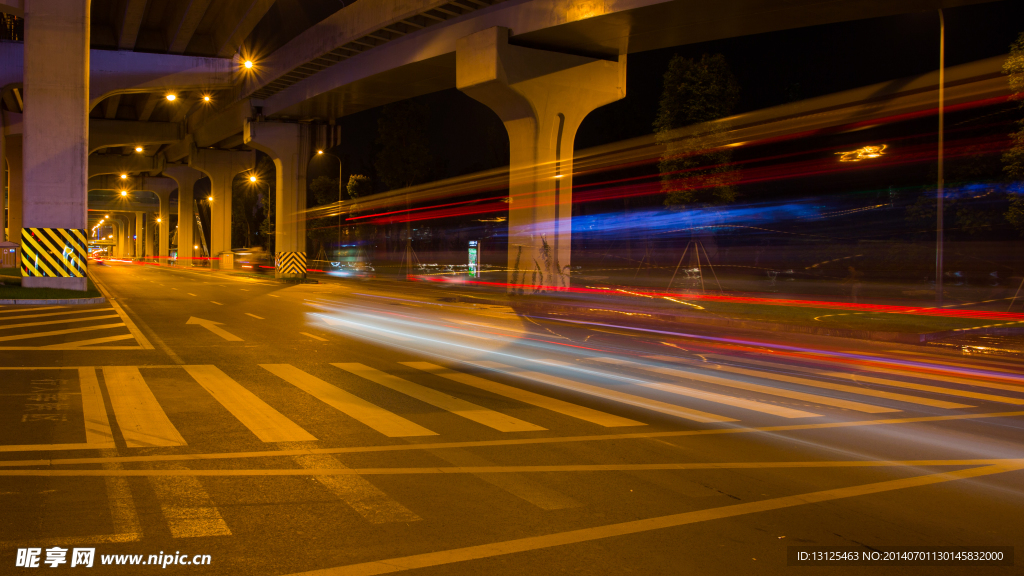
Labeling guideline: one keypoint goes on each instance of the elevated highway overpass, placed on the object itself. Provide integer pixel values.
(541, 65)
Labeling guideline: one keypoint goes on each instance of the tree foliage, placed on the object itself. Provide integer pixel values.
(697, 168)
(1013, 158)
(359, 186)
(404, 158)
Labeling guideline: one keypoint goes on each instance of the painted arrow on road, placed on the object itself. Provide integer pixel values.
(214, 327)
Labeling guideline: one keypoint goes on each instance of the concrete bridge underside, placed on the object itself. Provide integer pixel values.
(516, 56)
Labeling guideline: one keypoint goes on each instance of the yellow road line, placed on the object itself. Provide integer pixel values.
(381, 420)
(143, 423)
(510, 442)
(260, 418)
(898, 383)
(614, 395)
(527, 397)
(760, 388)
(822, 384)
(639, 526)
(457, 406)
(341, 470)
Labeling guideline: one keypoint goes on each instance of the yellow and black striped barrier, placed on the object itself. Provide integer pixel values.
(53, 252)
(291, 263)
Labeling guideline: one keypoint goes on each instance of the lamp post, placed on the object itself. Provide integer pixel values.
(939, 225)
(341, 185)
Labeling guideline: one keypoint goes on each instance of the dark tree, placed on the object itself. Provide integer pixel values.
(696, 166)
(1013, 159)
(404, 158)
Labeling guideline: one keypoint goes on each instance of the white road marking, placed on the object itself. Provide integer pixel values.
(366, 499)
(265, 422)
(48, 322)
(190, 294)
(185, 504)
(527, 397)
(142, 421)
(217, 303)
(97, 425)
(214, 327)
(381, 420)
(768, 390)
(273, 295)
(313, 337)
(863, 391)
(614, 395)
(255, 316)
(478, 414)
(59, 332)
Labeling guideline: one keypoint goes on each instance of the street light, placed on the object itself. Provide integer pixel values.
(341, 184)
(159, 220)
(124, 176)
(248, 64)
(171, 97)
(206, 98)
(210, 198)
(252, 179)
(138, 148)
(124, 192)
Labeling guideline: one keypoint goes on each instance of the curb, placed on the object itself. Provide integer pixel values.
(65, 301)
(898, 337)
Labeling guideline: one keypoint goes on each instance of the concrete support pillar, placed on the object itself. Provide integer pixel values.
(56, 143)
(186, 178)
(15, 189)
(289, 146)
(221, 166)
(541, 97)
(140, 236)
(163, 226)
(122, 238)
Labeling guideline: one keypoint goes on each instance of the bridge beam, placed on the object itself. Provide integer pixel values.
(289, 146)
(56, 129)
(221, 166)
(541, 97)
(100, 164)
(186, 178)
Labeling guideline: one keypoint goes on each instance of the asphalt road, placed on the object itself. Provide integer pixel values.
(361, 427)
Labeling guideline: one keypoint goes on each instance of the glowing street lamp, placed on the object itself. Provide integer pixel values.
(171, 97)
(210, 198)
(138, 148)
(124, 176)
(124, 192)
(206, 98)
(248, 64)
(252, 179)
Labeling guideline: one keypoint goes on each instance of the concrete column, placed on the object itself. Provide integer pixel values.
(56, 130)
(163, 228)
(15, 187)
(541, 97)
(289, 146)
(186, 178)
(122, 238)
(140, 236)
(221, 166)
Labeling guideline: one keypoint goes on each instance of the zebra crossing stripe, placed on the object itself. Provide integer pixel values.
(53, 252)
(291, 262)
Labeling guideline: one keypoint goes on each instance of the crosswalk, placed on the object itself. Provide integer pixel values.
(560, 395)
(685, 389)
(94, 327)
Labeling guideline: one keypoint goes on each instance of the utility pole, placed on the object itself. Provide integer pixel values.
(939, 225)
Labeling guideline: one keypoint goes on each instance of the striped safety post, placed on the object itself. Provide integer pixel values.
(291, 263)
(53, 252)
